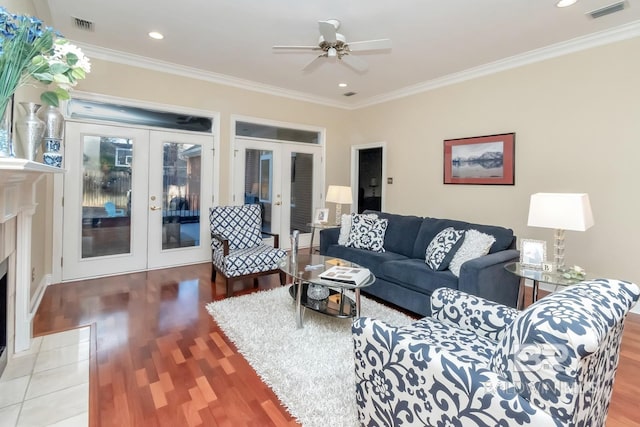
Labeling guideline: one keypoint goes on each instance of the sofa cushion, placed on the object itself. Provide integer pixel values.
(432, 226)
(371, 260)
(367, 233)
(475, 244)
(401, 233)
(442, 248)
(414, 274)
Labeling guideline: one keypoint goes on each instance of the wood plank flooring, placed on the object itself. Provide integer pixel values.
(162, 361)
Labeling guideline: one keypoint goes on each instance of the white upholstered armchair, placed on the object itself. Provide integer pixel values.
(237, 248)
(478, 363)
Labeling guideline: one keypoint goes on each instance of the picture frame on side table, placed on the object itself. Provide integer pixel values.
(480, 160)
(321, 216)
(533, 253)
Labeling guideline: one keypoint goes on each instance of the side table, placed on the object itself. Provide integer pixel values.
(536, 276)
(315, 225)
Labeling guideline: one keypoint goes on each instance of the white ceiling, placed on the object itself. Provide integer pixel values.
(432, 40)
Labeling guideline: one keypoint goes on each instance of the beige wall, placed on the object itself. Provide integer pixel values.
(577, 125)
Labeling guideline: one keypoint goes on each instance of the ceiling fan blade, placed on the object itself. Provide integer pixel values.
(328, 31)
(355, 63)
(313, 64)
(297, 47)
(370, 45)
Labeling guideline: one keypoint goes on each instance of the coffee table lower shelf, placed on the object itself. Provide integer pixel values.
(336, 304)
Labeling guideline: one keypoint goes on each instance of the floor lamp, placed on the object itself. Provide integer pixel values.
(560, 211)
(339, 195)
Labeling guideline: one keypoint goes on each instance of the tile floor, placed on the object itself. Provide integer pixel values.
(49, 384)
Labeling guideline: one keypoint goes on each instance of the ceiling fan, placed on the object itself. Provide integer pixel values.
(335, 45)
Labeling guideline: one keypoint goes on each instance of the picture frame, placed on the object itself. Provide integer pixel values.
(321, 216)
(480, 160)
(533, 253)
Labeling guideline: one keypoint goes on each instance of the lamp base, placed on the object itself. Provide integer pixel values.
(338, 213)
(558, 250)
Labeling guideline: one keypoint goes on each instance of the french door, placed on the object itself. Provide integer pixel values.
(134, 199)
(285, 179)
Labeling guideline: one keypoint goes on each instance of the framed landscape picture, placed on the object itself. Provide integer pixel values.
(480, 160)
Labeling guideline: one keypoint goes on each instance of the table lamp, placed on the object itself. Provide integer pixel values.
(560, 211)
(339, 195)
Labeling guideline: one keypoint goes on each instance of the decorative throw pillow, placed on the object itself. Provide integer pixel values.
(345, 227)
(475, 244)
(442, 248)
(242, 238)
(367, 233)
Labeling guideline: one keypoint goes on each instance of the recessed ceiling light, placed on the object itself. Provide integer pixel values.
(156, 35)
(342, 84)
(565, 3)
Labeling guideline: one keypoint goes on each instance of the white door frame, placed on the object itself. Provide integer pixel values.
(58, 185)
(355, 169)
(282, 194)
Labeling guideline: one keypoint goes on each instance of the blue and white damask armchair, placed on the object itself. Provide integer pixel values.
(478, 363)
(237, 248)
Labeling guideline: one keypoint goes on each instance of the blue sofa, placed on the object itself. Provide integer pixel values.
(403, 278)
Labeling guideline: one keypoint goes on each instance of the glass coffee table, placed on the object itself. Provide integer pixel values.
(305, 270)
(536, 276)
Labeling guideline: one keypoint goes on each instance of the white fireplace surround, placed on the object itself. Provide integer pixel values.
(18, 179)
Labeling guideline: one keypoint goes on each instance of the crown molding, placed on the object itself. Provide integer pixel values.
(620, 33)
(601, 38)
(139, 61)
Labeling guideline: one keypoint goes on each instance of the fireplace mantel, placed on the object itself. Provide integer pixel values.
(18, 179)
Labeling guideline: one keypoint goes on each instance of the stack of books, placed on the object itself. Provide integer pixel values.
(348, 275)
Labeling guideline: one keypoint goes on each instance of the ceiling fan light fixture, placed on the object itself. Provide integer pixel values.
(332, 52)
(565, 3)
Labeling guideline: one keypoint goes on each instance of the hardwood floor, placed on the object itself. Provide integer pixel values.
(162, 361)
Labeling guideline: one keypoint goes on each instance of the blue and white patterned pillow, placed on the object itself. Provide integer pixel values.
(442, 248)
(367, 233)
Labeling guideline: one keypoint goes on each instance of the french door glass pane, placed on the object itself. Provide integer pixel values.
(106, 196)
(181, 195)
(258, 182)
(301, 191)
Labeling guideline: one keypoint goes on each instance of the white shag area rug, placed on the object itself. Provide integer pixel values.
(311, 370)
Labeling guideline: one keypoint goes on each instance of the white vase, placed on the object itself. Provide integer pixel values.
(30, 130)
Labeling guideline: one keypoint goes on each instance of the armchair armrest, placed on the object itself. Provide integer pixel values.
(457, 308)
(221, 241)
(486, 277)
(276, 238)
(405, 378)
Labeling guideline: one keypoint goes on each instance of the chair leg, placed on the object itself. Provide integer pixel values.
(283, 278)
(228, 285)
(213, 273)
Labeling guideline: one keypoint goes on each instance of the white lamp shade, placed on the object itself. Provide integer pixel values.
(565, 211)
(339, 194)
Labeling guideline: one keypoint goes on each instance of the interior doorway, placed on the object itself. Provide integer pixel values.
(368, 172)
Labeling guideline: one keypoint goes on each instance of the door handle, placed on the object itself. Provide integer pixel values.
(155, 208)
(277, 203)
